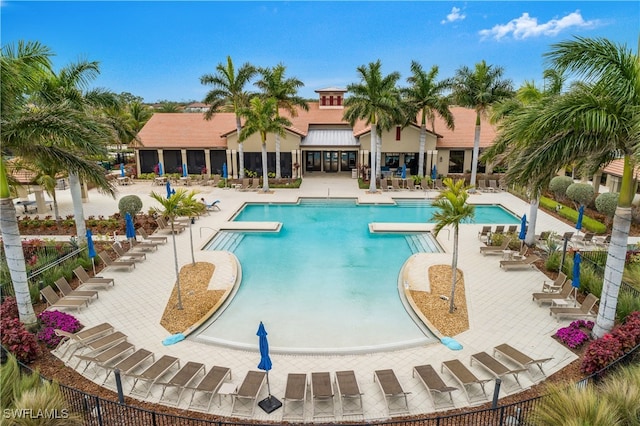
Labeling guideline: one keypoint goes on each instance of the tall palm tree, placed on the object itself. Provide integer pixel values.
(425, 97)
(284, 90)
(452, 211)
(182, 203)
(594, 122)
(261, 117)
(479, 89)
(228, 95)
(27, 131)
(374, 99)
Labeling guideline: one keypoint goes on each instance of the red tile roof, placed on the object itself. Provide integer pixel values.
(464, 132)
(180, 130)
(616, 167)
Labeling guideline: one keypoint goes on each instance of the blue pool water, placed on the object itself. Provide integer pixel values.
(324, 282)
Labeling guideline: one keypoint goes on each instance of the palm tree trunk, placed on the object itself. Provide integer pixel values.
(454, 271)
(193, 256)
(278, 174)
(78, 213)
(175, 261)
(423, 138)
(265, 170)
(476, 152)
(56, 212)
(372, 177)
(378, 156)
(533, 217)
(240, 149)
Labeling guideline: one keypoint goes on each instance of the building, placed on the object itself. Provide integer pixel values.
(318, 141)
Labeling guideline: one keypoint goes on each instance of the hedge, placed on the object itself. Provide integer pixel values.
(572, 215)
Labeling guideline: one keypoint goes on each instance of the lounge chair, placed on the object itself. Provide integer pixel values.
(566, 236)
(493, 184)
(527, 262)
(56, 302)
(104, 358)
(349, 393)
(495, 367)
(242, 186)
(180, 380)
(464, 377)
(519, 358)
(434, 384)
(209, 385)
(97, 345)
(394, 394)
(143, 245)
(255, 183)
(127, 255)
(602, 242)
(581, 312)
(499, 229)
(118, 263)
(166, 227)
(151, 238)
(554, 286)
(583, 240)
(482, 186)
(411, 184)
(437, 184)
(213, 206)
(67, 291)
(88, 281)
(495, 249)
(321, 392)
(484, 233)
(244, 401)
(425, 183)
(130, 363)
(543, 237)
(152, 374)
(395, 184)
(546, 297)
(295, 392)
(512, 229)
(83, 336)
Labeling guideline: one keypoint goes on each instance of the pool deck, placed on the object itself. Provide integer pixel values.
(499, 302)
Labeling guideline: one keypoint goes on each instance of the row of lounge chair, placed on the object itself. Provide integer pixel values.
(247, 184)
(588, 239)
(485, 233)
(561, 290)
(491, 186)
(75, 298)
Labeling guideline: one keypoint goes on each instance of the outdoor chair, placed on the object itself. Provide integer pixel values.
(566, 236)
(209, 385)
(130, 363)
(152, 374)
(295, 393)
(425, 183)
(67, 291)
(542, 237)
(349, 393)
(411, 185)
(394, 394)
(152, 238)
(554, 286)
(142, 245)
(243, 186)
(98, 345)
(245, 399)
(512, 229)
(527, 262)
(88, 281)
(321, 393)
(166, 227)
(482, 186)
(519, 358)
(120, 263)
(583, 240)
(495, 367)
(83, 336)
(484, 233)
(493, 185)
(495, 249)
(56, 302)
(395, 184)
(580, 312)
(255, 183)
(437, 184)
(434, 384)
(179, 381)
(602, 242)
(545, 297)
(213, 206)
(499, 229)
(464, 377)
(105, 358)
(127, 255)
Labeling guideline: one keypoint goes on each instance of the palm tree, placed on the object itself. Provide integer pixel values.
(425, 96)
(27, 131)
(274, 85)
(452, 211)
(596, 121)
(182, 203)
(479, 89)
(374, 99)
(262, 117)
(228, 95)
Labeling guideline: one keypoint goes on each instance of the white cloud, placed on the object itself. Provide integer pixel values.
(526, 26)
(455, 15)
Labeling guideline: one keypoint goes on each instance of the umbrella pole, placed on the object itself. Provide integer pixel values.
(93, 264)
(268, 386)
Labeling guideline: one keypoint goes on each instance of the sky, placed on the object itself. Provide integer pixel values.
(159, 49)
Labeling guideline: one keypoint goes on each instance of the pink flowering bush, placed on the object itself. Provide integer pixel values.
(52, 320)
(573, 336)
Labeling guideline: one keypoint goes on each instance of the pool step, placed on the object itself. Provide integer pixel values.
(413, 203)
(227, 241)
(326, 202)
(423, 243)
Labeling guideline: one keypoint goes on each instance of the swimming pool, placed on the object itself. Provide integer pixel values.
(324, 283)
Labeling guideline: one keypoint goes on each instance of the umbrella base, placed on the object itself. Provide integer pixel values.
(270, 404)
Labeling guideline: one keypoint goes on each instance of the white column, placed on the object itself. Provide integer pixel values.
(138, 169)
(207, 161)
(234, 161)
(40, 205)
(183, 154)
(294, 160)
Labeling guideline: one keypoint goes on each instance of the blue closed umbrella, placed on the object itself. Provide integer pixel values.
(168, 190)
(92, 249)
(185, 172)
(270, 403)
(160, 171)
(129, 228)
(575, 279)
(523, 227)
(434, 172)
(224, 171)
(122, 169)
(580, 214)
(404, 171)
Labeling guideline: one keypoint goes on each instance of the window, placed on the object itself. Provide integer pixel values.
(392, 160)
(456, 161)
(339, 100)
(324, 100)
(398, 132)
(331, 100)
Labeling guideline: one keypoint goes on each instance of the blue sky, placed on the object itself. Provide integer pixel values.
(159, 49)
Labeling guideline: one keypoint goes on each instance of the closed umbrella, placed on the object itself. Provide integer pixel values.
(434, 172)
(225, 174)
(403, 174)
(160, 171)
(580, 214)
(168, 190)
(122, 169)
(92, 249)
(185, 172)
(270, 403)
(523, 227)
(575, 280)
(129, 228)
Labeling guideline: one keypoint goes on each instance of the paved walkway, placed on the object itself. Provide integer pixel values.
(499, 302)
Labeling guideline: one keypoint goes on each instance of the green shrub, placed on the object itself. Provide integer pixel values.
(590, 280)
(627, 303)
(558, 185)
(131, 204)
(553, 261)
(572, 215)
(607, 202)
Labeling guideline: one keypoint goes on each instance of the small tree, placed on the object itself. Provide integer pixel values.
(581, 193)
(131, 204)
(558, 185)
(606, 203)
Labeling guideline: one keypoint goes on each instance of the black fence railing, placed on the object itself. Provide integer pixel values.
(598, 258)
(97, 411)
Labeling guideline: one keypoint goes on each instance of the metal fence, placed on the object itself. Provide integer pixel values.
(97, 411)
(598, 258)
